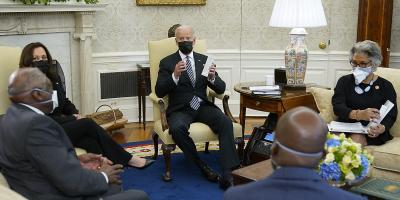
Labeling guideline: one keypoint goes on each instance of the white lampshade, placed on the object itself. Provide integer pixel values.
(298, 13)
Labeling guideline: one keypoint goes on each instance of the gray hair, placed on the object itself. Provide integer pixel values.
(369, 48)
(25, 79)
(184, 26)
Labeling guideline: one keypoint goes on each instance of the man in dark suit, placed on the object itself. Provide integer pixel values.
(180, 78)
(36, 156)
(297, 150)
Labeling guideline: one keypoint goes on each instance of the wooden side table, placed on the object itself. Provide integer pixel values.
(143, 83)
(276, 104)
(252, 172)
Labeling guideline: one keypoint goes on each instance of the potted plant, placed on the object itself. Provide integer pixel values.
(345, 161)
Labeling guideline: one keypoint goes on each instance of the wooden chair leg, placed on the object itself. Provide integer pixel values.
(167, 149)
(206, 148)
(155, 141)
(240, 142)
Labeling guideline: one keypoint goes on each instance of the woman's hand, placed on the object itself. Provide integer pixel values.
(375, 131)
(77, 116)
(368, 114)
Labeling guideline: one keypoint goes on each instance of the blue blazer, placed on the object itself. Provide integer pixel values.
(289, 183)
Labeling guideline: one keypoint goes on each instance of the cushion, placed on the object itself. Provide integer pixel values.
(392, 75)
(7, 193)
(387, 156)
(9, 59)
(199, 132)
(3, 181)
(323, 99)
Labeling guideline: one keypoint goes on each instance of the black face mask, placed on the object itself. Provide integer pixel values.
(43, 65)
(185, 47)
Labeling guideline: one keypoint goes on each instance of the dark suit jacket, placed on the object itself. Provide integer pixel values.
(181, 94)
(39, 161)
(289, 183)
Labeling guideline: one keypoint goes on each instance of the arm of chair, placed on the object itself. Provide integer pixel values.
(224, 97)
(161, 104)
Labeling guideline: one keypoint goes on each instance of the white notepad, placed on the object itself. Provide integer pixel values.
(207, 66)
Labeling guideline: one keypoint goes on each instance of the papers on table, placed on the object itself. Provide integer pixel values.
(207, 66)
(357, 127)
(265, 90)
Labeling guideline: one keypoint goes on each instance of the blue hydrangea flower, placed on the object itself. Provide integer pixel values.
(330, 171)
(332, 143)
(365, 166)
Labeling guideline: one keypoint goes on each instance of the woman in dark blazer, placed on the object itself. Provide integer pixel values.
(359, 96)
(82, 132)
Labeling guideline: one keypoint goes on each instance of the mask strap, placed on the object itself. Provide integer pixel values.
(360, 91)
(318, 154)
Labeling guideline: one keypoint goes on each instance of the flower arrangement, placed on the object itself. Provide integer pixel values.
(45, 2)
(345, 160)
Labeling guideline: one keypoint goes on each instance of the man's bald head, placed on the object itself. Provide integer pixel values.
(24, 80)
(302, 130)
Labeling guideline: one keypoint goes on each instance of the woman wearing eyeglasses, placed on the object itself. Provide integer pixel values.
(359, 96)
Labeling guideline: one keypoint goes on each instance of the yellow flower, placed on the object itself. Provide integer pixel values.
(330, 157)
(346, 160)
(350, 176)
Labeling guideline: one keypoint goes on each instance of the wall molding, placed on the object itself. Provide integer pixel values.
(324, 68)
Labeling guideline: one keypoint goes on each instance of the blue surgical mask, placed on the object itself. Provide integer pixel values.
(361, 73)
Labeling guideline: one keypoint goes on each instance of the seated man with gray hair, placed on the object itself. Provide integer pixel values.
(36, 156)
(298, 147)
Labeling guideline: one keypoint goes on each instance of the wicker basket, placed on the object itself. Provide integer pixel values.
(104, 117)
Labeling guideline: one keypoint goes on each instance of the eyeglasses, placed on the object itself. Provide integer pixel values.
(362, 64)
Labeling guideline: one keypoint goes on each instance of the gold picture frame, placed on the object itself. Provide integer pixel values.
(169, 2)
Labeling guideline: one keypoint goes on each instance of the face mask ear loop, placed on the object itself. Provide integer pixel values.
(299, 153)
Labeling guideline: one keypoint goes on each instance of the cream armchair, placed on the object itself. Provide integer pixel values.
(387, 156)
(199, 132)
(9, 58)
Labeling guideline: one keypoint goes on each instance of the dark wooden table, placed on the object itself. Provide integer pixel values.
(252, 172)
(143, 91)
(276, 104)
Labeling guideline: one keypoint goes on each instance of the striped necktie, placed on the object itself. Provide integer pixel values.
(194, 103)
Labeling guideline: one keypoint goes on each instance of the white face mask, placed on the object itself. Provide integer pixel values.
(361, 74)
(54, 98)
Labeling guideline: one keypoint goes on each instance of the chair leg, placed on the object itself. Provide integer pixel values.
(206, 147)
(240, 142)
(167, 148)
(155, 141)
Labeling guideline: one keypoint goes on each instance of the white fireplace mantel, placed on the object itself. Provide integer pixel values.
(53, 7)
(75, 18)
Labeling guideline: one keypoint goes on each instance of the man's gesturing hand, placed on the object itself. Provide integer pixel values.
(179, 68)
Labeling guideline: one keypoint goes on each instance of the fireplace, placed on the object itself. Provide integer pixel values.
(67, 30)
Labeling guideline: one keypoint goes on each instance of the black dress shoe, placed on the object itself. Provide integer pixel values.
(226, 181)
(209, 173)
(146, 164)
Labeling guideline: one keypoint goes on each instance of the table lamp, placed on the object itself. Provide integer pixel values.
(297, 14)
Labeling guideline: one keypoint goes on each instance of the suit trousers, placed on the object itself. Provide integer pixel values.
(86, 134)
(179, 123)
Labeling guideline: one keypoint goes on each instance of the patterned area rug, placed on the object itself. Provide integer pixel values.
(146, 148)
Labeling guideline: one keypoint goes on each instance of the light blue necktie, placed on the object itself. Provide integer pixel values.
(194, 103)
